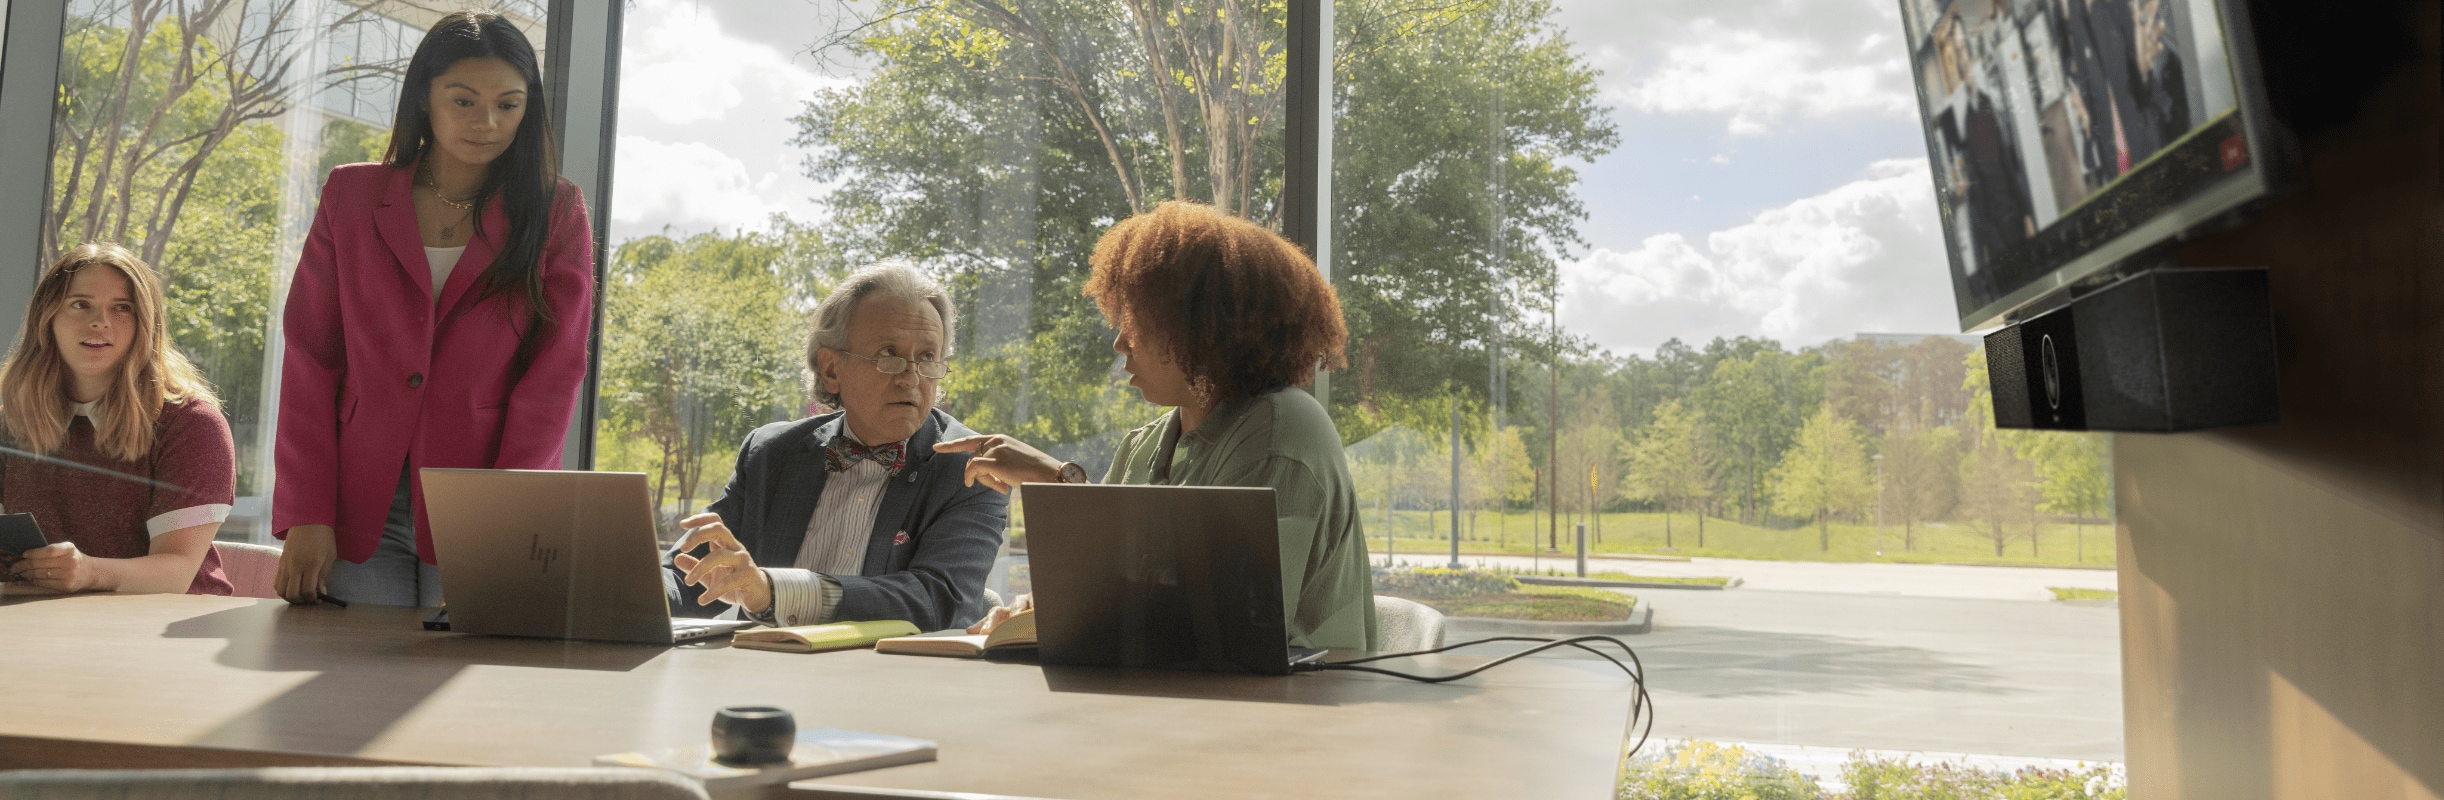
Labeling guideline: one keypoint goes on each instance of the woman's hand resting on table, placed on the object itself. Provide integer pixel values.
(60, 567)
(1024, 604)
(305, 564)
(1001, 462)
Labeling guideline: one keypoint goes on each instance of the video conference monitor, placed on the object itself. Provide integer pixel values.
(2069, 135)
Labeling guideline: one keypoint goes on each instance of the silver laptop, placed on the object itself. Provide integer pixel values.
(555, 555)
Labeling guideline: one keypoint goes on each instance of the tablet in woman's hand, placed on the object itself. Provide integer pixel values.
(19, 533)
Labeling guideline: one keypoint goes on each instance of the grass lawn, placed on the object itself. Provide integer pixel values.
(2069, 593)
(1643, 533)
(1547, 603)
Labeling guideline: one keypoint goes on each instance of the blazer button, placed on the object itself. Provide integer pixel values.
(415, 380)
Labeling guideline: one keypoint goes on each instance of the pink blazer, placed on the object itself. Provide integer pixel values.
(376, 375)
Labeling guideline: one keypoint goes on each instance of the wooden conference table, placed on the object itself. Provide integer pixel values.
(107, 681)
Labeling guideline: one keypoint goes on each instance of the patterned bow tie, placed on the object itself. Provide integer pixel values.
(843, 453)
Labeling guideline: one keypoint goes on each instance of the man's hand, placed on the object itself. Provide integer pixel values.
(61, 568)
(1002, 462)
(305, 564)
(1024, 604)
(727, 571)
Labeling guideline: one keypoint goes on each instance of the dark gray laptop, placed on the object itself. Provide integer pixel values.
(1158, 577)
(553, 554)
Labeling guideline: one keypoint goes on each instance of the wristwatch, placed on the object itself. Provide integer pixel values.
(1072, 473)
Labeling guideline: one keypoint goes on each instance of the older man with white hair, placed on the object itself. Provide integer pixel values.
(852, 515)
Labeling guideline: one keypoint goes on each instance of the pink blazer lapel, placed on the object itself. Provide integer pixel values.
(481, 249)
(396, 221)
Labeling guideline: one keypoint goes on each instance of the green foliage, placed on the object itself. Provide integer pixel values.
(1826, 474)
(2076, 593)
(700, 346)
(1454, 124)
(219, 268)
(1543, 603)
(993, 142)
(1438, 582)
(1921, 481)
(1702, 770)
(1902, 779)
(1673, 463)
(1756, 405)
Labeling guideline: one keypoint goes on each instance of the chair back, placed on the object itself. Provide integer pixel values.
(251, 568)
(1407, 625)
(351, 783)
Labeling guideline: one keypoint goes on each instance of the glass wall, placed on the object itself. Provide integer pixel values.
(766, 150)
(1669, 278)
(198, 135)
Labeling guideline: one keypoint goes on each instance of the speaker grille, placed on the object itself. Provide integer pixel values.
(2007, 375)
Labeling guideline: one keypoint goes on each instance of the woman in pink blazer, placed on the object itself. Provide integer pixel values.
(438, 318)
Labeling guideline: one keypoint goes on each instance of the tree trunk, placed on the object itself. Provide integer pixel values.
(1667, 529)
(1824, 534)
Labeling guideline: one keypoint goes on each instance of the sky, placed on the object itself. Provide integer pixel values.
(1770, 178)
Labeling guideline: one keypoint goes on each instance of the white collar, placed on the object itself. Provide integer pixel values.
(85, 410)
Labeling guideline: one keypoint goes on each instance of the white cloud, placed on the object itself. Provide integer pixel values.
(1866, 256)
(1760, 63)
(687, 185)
(704, 121)
(680, 67)
(1759, 79)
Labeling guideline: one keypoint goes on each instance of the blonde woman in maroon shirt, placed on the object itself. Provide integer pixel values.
(115, 442)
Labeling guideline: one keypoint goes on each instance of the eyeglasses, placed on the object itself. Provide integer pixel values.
(894, 365)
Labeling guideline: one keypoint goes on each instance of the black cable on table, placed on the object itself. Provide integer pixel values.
(1641, 706)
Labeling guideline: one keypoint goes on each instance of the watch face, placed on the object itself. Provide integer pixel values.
(1072, 473)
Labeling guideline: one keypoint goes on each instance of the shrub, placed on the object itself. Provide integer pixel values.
(1901, 779)
(1711, 771)
(1441, 583)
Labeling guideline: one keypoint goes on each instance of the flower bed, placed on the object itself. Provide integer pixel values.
(1479, 593)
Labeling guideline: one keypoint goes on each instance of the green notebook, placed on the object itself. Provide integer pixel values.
(818, 638)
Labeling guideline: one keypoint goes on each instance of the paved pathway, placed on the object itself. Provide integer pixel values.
(1908, 580)
(1903, 673)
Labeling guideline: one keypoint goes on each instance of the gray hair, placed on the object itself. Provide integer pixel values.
(831, 318)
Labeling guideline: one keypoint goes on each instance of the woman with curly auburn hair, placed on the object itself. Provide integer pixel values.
(117, 446)
(1221, 319)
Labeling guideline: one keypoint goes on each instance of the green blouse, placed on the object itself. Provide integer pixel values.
(1281, 439)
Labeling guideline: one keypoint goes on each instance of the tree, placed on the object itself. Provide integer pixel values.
(1517, 477)
(1672, 463)
(1825, 474)
(1454, 123)
(1996, 489)
(1921, 477)
(699, 348)
(1756, 403)
(2071, 474)
(994, 140)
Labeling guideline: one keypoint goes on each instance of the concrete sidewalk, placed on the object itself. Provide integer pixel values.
(1904, 580)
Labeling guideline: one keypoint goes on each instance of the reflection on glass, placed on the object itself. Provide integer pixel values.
(198, 135)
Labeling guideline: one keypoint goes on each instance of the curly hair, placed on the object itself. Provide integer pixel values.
(1239, 308)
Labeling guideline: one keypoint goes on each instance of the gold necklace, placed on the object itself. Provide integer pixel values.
(450, 230)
